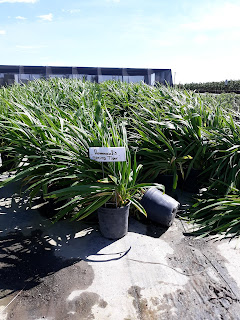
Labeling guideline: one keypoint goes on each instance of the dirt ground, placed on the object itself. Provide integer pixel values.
(69, 271)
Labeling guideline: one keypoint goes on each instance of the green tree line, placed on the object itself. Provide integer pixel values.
(213, 87)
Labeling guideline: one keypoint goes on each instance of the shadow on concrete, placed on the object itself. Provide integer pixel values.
(16, 214)
(25, 260)
(147, 227)
(32, 248)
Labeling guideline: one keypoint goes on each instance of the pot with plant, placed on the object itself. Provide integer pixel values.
(164, 150)
(192, 179)
(111, 197)
(165, 166)
(8, 159)
(113, 216)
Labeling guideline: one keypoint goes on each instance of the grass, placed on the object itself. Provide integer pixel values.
(51, 124)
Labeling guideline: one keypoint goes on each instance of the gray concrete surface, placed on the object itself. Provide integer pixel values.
(69, 271)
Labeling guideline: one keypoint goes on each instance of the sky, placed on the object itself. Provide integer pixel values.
(198, 40)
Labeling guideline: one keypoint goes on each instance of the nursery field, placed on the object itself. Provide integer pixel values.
(214, 87)
(48, 126)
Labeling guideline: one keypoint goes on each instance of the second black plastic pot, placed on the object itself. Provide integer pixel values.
(166, 180)
(192, 184)
(160, 207)
(8, 162)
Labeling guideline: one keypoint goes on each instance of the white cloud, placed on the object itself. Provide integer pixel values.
(201, 39)
(114, 1)
(222, 17)
(2, 32)
(14, 1)
(20, 18)
(158, 43)
(30, 47)
(72, 11)
(47, 61)
(46, 17)
(201, 69)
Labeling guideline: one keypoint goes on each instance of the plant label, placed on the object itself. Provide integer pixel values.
(105, 154)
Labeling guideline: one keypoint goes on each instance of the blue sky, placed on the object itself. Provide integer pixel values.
(198, 40)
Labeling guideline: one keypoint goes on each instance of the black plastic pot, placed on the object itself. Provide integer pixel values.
(166, 180)
(48, 206)
(160, 207)
(8, 162)
(113, 222)
(192, 184)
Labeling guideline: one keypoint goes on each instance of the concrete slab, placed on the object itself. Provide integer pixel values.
(69, 271)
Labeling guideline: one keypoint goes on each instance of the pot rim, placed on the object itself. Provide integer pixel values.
(116, 208)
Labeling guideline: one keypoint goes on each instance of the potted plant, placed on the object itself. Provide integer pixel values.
(165, 167)
(110, 196)
(191, 181)
(164, 149)
(8, 159)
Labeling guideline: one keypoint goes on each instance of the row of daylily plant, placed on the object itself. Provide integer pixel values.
(48, 126)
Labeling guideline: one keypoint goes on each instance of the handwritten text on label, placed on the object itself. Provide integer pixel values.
(105, 154)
